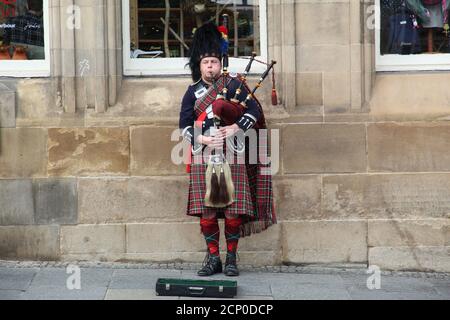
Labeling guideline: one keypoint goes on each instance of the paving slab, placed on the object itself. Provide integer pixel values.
(10, 294)
(391, 284)
(140, 279)
(444, 291)
(62, 293)
(58, 277)
(46, 281)
(299, 291)
(16, 279)
(358, 294)
(135, 294)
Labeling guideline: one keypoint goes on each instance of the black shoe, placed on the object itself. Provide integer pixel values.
(231, 268)
(211, 265)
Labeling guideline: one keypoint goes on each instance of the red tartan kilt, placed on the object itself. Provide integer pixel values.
(253, 191)
(242, 205)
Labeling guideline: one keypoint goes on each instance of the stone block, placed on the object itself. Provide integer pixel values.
(410, 233)
(323, 148)
(87, 152)
(93, 239)
(103, 200)
(255, 258)
(144, 100)
(409, 147)
(133, 200)
(55, 201)
(297, 197)
(151, 149)
(323, 58)
(424, 95)
(424, 258)
(23, 153)
(7, 107)
(258, 258)
(184, 241)
(40, 104)
(40, 201)
(309, 32)
(164, 237)
(16, 202)
(309, 89)
(336, 92)
(388, 196)
(324, 241)
(356, 56)
(36, 98)
(29, 242)
(267, 241)
(357, 99)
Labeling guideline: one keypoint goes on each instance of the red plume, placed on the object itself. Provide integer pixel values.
(223, 29)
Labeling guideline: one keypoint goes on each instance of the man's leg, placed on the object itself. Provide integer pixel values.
(232, 235)
(211, 232)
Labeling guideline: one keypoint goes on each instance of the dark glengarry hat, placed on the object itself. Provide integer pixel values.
(206, 43)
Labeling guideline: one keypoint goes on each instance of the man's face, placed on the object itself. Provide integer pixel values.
(210, 68)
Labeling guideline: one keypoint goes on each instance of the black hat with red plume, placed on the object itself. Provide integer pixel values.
(206, 43)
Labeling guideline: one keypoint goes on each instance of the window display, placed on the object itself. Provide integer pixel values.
(410, 27)
(21, 30)
(164, 29)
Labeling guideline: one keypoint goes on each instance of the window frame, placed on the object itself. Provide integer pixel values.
(394, 62)
(177, 66)
(31, 68)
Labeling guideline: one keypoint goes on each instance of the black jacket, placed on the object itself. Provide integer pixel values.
(188, 116)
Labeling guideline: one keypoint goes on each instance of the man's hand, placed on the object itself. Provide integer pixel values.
(217, 140)
(212, 142)
(229, 131)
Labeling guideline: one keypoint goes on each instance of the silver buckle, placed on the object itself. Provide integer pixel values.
(216, 159)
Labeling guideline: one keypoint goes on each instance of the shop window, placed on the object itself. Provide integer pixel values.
(24, 50)
(147, 51)
(413, 35)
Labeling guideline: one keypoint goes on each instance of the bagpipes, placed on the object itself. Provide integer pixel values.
(219, 182)
(229, 111)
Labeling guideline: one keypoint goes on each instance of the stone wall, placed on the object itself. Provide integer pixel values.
(373, 193)
(363, 178)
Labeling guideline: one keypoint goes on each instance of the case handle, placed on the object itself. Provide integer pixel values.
(196, 291)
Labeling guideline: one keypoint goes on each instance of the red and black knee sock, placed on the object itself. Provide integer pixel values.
(232, 234)
(211, 232)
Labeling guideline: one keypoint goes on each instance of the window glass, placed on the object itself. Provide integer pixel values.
(414, 27)
(151, 20)
(22, 30)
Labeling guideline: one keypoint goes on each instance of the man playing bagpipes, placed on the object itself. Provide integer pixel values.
(239, 192)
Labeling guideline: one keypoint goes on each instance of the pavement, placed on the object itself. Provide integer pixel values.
(116, 281)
